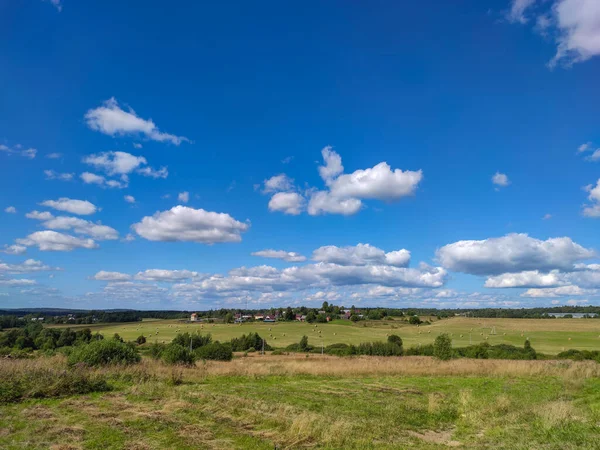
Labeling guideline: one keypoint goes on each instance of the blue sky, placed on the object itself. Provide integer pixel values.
(147, 151)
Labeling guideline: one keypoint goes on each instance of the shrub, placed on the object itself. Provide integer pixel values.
(215, 351)
(379, 349)
(423, 350)
(245, 342)
(155, 350)
(415, 320)
(177, 354)
(304, 344)
(141, 340)
(395, 339)
(197, 340)
(278, 352)
(442, 347)
(99, 353)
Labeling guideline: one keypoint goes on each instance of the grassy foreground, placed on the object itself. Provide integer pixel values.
(549, 336)
(266, 402)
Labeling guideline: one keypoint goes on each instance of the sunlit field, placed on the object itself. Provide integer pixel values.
(549, 336)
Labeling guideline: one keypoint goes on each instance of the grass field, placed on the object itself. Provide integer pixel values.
(547, 336)
(290, 402)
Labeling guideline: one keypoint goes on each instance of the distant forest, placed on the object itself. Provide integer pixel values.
(11, 318)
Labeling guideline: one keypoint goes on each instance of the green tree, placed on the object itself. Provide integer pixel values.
(289, 314)
(311, 316)
(229, 317)
(304, 344)
(415, 320)
(442, 347)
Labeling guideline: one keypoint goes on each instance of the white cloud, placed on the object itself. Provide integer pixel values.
(518, 10)
(531, 278)
(37, 215)
(584, 147)
(280, 254)
(52, 175)
(500, 179)
(137, 145)
(111, 276)
(53, 241)
(562, 291)
(95, 230)
(378, 182)
(57, 4)
(115, 163)
(166, 275)
(183, 197)
(182, 223)
(129, 198)
(10, 210)
(511, 253)
(322, 202)
(333, 165)
(17, 282)
(287, 202)
(153, 173)
(14, 249)
(278, 183)
(54, 155)
(594, 156)
(81, 207)
(28, 266)
(547, 217)
(360, 255)
(578, 27)
(593, 209)
(112, 120)
(92, 178)
(18, 150)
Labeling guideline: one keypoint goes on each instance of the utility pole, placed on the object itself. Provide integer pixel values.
(263, 346)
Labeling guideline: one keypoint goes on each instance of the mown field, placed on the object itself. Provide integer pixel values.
(547, 336)
(266, 402)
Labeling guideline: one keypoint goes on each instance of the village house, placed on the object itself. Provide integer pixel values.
(194, 317)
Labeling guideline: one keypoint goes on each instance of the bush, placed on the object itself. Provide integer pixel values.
(215, 351)
(155, 350)
(415, 320)
(99, 353)
(379, 349)
(246, 342)
(442, 347)
(395, 339)
(197, 340)
(177, 354)
(141, 340)
(423, 350)
(278, 352)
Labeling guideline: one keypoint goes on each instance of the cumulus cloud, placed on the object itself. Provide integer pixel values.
(278, 183)
(578, 26)
(122, 164)
(29, 153)
(511, 253)
(183, 197)
(182, 223)
(53, 241)
(112, 120)
(92, 178)
(54, 155)
(95, 230)
(14, 249)
(344, 191)
(593, 209)
(562, 291)
(574, 24)
(52, 175)
(290, 203)
(111, 276)
(16, 282)
(166, 275)
(360, 255)
(28, 266)
(80, 207)
(500, 179)
(129, 198)
(333, 165)
(280, 254)
(10, 210)
(530, 278)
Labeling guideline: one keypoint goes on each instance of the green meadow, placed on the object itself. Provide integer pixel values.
(550, 336)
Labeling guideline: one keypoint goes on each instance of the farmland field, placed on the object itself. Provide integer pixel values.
(549, 336)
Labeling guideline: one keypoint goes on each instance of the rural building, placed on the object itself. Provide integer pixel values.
(194, 317)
